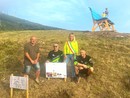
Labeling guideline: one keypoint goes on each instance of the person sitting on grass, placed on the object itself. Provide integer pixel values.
(103, 15)
(55, 55)
(83, 64)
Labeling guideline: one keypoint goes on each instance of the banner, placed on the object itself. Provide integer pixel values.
(18, 82)
(56, 70)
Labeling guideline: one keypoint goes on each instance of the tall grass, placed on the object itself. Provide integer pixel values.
(111, 56)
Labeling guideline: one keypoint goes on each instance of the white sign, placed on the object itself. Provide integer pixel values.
(56, 70)
(18, 82)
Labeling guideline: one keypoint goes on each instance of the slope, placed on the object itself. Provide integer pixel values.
(8, 22)
(111, 54)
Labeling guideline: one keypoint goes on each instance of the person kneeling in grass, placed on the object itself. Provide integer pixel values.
(83, 64)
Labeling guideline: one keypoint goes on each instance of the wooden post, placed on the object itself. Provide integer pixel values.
(11, 90)
(93, 29)
(107, 26)
(113, 28)
(27, 90)
(12, 86)
(99, 27)
(65, 79)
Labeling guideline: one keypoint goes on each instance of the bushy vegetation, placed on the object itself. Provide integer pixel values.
(111, 55)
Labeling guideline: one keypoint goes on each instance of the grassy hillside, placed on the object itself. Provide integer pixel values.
(109, 50)
(8, 22)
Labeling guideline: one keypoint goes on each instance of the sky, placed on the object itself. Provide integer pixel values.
(69, 14)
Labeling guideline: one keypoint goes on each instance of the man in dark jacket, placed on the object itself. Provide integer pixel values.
(83, 64)
(55, 55)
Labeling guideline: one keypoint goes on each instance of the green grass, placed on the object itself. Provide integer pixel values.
(111, 55)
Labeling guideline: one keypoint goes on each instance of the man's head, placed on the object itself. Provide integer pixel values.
(83, 53)
(56, 47)
(33, 40)
(71, 37)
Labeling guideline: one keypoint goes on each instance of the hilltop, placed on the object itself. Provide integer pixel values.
(8, 22)
(110, 52)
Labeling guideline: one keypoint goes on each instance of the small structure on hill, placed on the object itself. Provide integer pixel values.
(103, 23)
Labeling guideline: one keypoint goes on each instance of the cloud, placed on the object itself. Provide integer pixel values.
(49, 10)
(53, 5)
(54, 16)
(72, 14)
(53, 10)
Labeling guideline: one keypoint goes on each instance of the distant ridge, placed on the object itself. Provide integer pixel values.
(8, 22)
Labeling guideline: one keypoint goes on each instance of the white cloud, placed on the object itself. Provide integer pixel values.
(55, 16)
(68, 13)
(53, 10)
(52, 5)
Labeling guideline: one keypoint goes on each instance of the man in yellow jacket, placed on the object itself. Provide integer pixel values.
(70, 51)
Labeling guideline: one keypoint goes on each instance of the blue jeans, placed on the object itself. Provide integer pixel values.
(70, 57)
(27, 68)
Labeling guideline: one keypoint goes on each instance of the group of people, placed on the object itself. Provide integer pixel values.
(79, 63)
(105, 14)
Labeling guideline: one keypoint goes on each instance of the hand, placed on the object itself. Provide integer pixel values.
(65, 57)
(47, 61)
(35, 61)
(85, 66)
(32, 61)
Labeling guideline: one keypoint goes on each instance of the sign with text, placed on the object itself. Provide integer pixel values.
(56, 70)
(18, 82)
